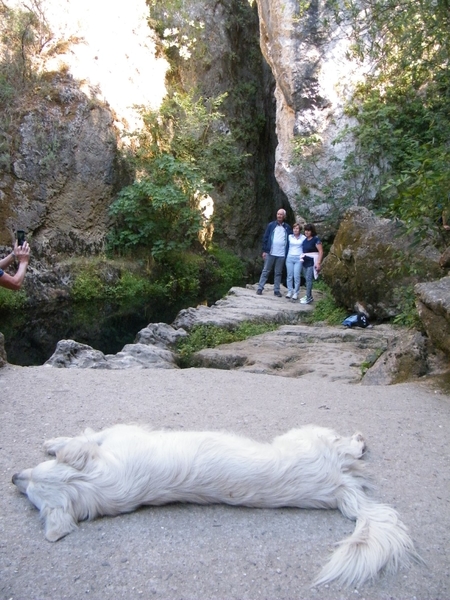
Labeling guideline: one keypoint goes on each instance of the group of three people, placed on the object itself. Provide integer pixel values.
(302, 255)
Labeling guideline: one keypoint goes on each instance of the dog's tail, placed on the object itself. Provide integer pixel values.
(380, 542)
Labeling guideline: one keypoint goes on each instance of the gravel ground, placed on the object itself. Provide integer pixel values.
(219, 552)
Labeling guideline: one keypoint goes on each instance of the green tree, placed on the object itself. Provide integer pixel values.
(403, 107)
(178, 158)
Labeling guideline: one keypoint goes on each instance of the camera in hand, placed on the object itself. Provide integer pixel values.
(20, 237)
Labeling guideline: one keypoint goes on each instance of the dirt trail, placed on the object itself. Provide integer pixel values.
(218, 552)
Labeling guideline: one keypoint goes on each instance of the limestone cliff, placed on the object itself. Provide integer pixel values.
(309, 56)
(64, 172)
(62, 167)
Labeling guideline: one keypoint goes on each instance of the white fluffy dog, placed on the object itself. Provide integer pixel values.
(121, 468)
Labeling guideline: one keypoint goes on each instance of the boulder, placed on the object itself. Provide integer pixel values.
(141, 356)
(70, 354)
(433, 305)
(371, 263)
(159, 334)
(405, 359)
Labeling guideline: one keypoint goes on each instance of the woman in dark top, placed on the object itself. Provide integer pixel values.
(312, 260)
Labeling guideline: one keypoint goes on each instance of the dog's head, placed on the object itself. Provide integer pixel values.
(54, 487)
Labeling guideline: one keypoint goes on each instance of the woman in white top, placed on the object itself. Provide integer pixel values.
(295, 241)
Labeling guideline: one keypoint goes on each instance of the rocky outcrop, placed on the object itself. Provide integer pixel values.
(152, 349)
(309, 54)
(331, 353)
(242, 304)
(370, 263)
(70, 354)
(65, 167)
(433, 304)
(380, 355)
(65, 172)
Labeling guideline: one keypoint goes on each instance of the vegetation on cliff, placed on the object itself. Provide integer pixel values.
(193, 157)
(403, 109)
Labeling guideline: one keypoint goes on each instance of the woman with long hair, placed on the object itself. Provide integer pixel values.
(312, 260)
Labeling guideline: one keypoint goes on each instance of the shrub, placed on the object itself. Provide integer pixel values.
(101, 281)
(326, 309)
(210, 336)
(10, 300)
(406, 302)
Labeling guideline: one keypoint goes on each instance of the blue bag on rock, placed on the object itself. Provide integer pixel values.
(356, 320)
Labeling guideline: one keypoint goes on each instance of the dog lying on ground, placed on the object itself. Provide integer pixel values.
(121, 468)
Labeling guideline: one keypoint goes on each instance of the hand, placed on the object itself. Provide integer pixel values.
(22, 253)
(264, 254)
(318, 266)
(447, 227)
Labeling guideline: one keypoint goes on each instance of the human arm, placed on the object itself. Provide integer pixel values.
(266, 243)
(14, 282)
(320, 251)
(5, 262)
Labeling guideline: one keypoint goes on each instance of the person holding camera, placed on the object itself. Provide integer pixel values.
(22, 254)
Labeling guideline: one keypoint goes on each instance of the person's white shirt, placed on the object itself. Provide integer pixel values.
(295, 245)
(279, 241)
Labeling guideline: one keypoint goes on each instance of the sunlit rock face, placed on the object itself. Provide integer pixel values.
(115, 58)
(308, 54)
(65, 167)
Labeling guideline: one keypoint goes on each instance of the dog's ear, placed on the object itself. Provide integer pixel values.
(78, 453)
(58, 523)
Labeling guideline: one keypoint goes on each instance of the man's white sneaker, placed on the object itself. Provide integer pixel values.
(288, 295)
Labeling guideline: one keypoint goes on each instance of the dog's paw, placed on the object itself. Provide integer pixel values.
(52, 446)
(58, 523)
(358, 444)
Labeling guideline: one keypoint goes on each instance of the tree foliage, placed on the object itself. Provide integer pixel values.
(403, 107)
(179, 156)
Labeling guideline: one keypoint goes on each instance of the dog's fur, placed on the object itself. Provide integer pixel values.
(121, 468)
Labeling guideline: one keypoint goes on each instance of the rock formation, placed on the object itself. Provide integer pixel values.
(380, 355)
(64, 174)
(369, 262)
(433, 304)
(64, 166)
(308, 53)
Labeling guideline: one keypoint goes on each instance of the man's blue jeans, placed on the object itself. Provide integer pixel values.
(269, 263)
